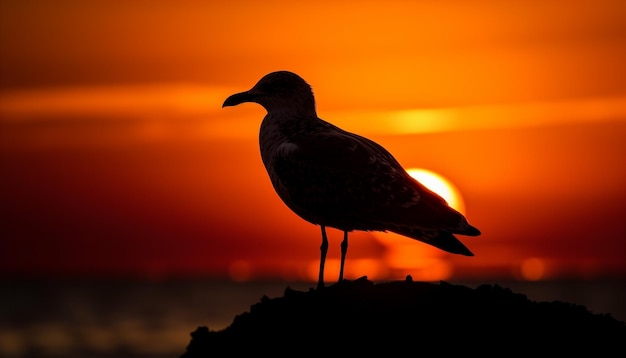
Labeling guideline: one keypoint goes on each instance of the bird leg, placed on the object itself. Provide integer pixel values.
(344, 250)
(324, 250)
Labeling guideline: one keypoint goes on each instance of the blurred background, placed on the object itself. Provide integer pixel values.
(134, 208)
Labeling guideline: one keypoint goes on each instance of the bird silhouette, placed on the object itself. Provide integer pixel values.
(334, 178)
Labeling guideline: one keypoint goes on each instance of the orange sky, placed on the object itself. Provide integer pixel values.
(118, 159)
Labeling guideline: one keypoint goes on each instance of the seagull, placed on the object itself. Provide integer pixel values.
(334, 178)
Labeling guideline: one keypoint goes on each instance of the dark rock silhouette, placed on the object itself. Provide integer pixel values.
(411, 318)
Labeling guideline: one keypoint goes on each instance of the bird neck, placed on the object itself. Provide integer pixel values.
(286, 123)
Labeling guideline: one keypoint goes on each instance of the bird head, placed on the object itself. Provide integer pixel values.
(278, 91)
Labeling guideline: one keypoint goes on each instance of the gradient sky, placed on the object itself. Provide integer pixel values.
(117, 158)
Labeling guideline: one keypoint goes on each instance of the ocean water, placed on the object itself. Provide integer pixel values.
(136, 318)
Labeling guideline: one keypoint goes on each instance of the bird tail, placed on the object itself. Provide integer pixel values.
(469, 230)
(443, 240)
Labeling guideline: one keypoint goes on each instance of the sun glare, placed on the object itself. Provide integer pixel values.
(439, 185)
(533, 269)
(423, 262)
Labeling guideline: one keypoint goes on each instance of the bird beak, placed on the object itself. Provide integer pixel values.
(239, 98)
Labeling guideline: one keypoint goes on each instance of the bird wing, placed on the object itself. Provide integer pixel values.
(347, 181)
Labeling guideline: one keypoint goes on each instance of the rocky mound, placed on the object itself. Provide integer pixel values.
(410, 318)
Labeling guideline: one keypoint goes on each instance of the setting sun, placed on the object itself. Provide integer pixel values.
(439, 185)
(422, 262)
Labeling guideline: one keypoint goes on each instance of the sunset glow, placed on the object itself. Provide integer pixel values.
(118, 160)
